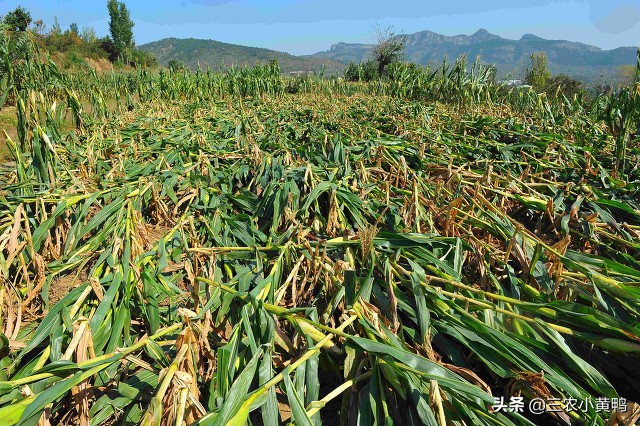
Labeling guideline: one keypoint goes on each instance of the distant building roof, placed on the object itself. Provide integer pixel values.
(511, 82)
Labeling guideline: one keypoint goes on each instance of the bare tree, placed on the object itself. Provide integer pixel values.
(389, 47)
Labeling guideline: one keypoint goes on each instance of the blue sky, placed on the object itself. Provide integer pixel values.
(308, 26)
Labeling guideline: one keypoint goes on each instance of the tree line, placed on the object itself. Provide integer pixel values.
(77, 44)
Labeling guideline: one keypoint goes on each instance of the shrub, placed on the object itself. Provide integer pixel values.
(364, 71)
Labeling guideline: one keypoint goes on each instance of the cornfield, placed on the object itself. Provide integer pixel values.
(244, 248)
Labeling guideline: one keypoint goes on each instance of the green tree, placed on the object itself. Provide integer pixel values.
(88, 34)
(120, 27)
(73, 28)
(18, 20)
(627, 75)
(537, 74)
(388, 49)
(176, 65)
(563, 84)
(143, 59)
(56, 29)
(364, 71)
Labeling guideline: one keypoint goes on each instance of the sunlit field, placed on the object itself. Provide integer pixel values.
(243, 247)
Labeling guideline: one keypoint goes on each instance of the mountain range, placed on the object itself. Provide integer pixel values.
(511, 57)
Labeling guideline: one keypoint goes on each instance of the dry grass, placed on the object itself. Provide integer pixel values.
(8, 123)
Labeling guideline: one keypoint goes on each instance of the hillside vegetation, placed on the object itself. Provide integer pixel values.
(215, 54)
(71, 47)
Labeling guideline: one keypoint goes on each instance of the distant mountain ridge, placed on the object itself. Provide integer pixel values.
(510, 56)
(579, 60)
(214, 54)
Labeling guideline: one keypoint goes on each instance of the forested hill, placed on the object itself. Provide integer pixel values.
(210, 53)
